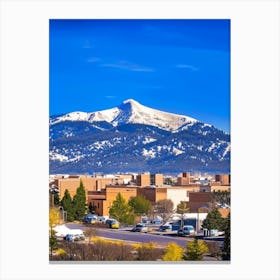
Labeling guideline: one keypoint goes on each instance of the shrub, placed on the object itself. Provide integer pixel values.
(174, 252)
(195, 250)
(148, 252)
(60, 251)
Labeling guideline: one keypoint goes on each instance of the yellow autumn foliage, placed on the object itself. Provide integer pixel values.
(150, 245)
(174, 252)
(53, 216)
(60, 251)
(107, 241)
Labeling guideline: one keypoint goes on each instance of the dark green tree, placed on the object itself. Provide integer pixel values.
(121, 211)
(214, 220)
(56, 199)
(67, 205)
(140, 205)
(226, 247)
(79, 202)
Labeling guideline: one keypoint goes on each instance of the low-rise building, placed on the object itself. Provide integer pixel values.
(102, 200)
(153, 193)
(224, 179)
(90, 183)
(198, 200)
(147, 179)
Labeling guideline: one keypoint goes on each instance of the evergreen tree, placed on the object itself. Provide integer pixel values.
(56, 199)
(214, 220)
(226, 247)
(121, 211)
(140, 205)
(67, 205)
(79, 202)
(195, 250)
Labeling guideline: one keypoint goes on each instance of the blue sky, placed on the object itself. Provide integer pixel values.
(178, 66)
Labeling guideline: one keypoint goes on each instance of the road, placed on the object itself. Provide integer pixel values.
(126, 235)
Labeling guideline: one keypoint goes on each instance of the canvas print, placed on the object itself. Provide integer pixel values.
(139, 140)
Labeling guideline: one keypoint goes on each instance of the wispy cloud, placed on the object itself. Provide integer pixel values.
(125, 65)
(187, 66)
(110, 96)
(93, 59)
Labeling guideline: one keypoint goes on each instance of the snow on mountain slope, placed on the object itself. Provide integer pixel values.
(105, 115)
(134, 112)
(135, 138)
(130, 111)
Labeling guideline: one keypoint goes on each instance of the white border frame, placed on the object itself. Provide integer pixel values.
(254, 130)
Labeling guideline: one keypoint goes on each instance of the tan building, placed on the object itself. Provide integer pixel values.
(144, 180)
(185, 179)
(153, 194)
(90, 183)
(223, 178)
(156, 179)
(71, 184)
(220, 188)
(102, 200)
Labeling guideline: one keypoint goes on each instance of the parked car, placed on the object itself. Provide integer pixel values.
(156, 221)
(112, 223)
(79, 237)
(115, 225)
(74, 237)
(102, 219)
(140, 227)
(165, 228)
(90, 219)
(187, 230)
(145, 220)
(69, 237)
(109, 221)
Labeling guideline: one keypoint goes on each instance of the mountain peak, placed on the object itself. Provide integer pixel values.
(131, 111)
(131, 101)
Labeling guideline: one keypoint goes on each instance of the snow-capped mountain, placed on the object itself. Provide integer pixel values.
(136, 138)
(130, 111)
